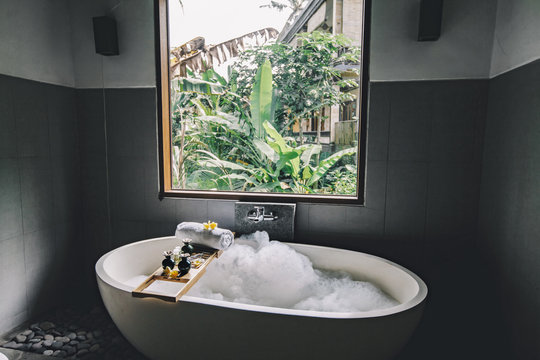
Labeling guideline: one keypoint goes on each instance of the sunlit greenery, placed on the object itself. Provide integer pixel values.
(236, 134)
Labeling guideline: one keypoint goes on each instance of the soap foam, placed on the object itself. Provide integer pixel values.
(258, 271)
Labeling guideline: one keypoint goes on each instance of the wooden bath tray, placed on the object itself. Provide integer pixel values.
(178, 286)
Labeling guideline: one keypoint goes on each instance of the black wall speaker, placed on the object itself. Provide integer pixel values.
(429, 27)
(105, 36)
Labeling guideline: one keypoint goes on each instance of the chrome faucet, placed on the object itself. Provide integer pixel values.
(257, 214)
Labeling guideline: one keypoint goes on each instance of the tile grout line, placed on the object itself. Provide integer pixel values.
(426, 197)
(20, 195)
(107, 175)
(389, 115)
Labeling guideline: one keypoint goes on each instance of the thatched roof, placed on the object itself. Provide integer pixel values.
(197, 56)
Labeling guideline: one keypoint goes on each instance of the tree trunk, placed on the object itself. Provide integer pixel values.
(300, 131)
(182, 176)
(319, 125)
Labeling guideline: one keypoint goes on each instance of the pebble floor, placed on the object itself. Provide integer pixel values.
(72, 334)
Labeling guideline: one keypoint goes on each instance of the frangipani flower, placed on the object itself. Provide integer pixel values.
(209, 225)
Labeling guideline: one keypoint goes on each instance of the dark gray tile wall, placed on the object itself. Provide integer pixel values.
(423, 178)
(39, 196)
(424, 153)
(510, 203)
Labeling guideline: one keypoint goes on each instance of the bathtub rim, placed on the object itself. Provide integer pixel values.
(417, 300)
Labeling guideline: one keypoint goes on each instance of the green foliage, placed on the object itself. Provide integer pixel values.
(192, 85)
(306, 77)
(262, 99)
(342, 180)
(229, 135)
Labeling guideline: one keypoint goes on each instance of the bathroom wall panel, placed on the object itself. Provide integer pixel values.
(302, 216)
(65, 247)
(159, 210)
(222, 212)
(13, 305)
(376, 181)
(379, 112)
(8, 135)
(131, 117)
(364, 222)
(66, 185)
(43, 273)
(192, 209)
(406, 200)
(155, 209)
(39, 250)
(94, 186)
(65, 152)
(126, 181)
(327, 217)
(63, 124)
(510, 202)
(39, 190)
(410, 121)
(30, 110)
(159, 228)
(458, 121)
(90, 105)
(126, 231)
(452, 207)
(36, 193)
(10, 199)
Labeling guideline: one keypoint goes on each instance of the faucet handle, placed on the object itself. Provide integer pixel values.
(256, 214)
(270, 216)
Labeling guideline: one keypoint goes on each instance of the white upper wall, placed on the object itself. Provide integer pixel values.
(52, 41)
(35, 40)
(463, 51)
(516, 41)
(135, 66)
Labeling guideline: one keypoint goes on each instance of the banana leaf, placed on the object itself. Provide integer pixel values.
(266, 187)
(283, 149)
(267, 150)
(261, 99)
(327, 163)
(286, 159)
(192, 85)
(308, 151)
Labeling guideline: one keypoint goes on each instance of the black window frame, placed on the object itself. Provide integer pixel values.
(164, 136)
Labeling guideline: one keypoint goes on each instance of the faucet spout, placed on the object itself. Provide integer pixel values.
(257, 214)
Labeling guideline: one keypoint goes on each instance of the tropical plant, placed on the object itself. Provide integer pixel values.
(342, 180)
(227, 139)
(204, 111)
(306, 77)
(229, 154)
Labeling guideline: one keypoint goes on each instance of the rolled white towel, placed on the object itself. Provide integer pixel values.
(218, 238)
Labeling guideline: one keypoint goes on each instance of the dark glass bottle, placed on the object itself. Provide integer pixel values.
(184, 265)
(167, 262)
(187, 248)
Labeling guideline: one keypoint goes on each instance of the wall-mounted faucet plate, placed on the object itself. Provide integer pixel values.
(275, 218)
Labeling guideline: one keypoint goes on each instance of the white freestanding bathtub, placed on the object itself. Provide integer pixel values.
(198, 328)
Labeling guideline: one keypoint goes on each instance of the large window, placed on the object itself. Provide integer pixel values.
(262, 99)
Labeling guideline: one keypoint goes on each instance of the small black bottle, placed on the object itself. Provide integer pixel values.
(167, 262)
(187, 248)
(184, 265)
